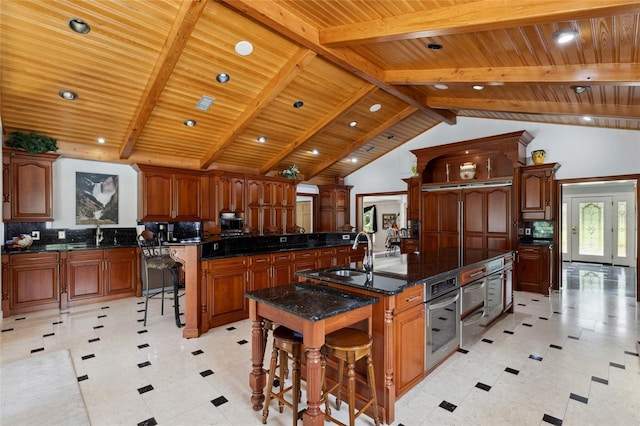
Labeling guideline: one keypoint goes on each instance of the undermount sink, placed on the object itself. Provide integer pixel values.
(347, 272)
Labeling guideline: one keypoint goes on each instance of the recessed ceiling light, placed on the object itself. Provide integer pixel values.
(434, 46)
(353, 124)
(102, 140)
(298, 104)
(315, 151)
(262, 139)
(68, 95)
(441, 86)
(478, 87)
(565, 36)
(222, 77)
(244, 48)
(580, 89)
(78, 25)
(354, 160)
(189, 123)
(586, 118)
(375, 107)
(390, 137)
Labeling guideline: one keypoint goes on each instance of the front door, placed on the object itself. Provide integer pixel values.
(599, 230)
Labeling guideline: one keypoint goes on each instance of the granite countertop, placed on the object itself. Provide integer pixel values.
(65, 247)
(310, 302)
(535, 242)
(393, 275)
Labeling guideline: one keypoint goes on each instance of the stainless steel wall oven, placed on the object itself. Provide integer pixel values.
(442, 308)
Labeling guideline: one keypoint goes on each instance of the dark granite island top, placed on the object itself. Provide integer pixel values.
(313, 312)
(392, 275)
(310, 302)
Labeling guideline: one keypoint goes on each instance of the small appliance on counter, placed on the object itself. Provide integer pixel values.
(231, 225)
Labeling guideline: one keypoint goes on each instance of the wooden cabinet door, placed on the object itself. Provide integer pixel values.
(342, 256)
(226, 286)
(254, 192)
(121, 266)
(187, 198)
(530, 269)
(259, 272)
(289, 195)
(85, 274)
(304, 259)
(440, 219)
(30, 188)
(325, 257)
(409, 348)
(533, 195)
(156, 196)
(413, 198)
(231, 196)
(282, 269)
(33, 282)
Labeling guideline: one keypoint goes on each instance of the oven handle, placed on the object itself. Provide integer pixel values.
(475, 286)
(445, 303)
(472, 320)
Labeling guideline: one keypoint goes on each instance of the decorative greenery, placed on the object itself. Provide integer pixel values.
(32, 142)
(291, 172)
(414, 170)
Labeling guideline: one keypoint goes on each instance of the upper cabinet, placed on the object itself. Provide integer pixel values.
(270, 203)
(334, 206)
(230, 193)
(27, 193)
(171, 195)
(491, 158)
(538, 192)
(413, 198)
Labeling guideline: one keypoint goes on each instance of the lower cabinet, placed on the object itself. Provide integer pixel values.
(533, 269)
(30, 282)
(226, 284)
(408, 245)
(102, 274)
(409, 323)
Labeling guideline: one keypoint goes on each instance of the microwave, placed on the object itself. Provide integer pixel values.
(231, 224)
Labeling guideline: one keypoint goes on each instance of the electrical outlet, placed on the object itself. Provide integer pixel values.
(346, 237)
(62, 235)
(35, 235)
(283, 239)
(527, 231)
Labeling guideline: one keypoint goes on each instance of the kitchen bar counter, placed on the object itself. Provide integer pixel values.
(311, 311)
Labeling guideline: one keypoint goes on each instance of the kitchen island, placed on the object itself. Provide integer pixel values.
(399, 321)
(312, 311)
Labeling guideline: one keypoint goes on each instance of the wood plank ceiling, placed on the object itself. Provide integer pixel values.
(145, 64)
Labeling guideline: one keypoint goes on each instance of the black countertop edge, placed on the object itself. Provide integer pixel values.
(65, 247)
(310, 301)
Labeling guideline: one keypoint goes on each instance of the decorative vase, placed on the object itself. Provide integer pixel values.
(538, 156)
(468, 171)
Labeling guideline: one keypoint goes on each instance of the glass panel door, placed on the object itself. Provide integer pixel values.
(591, 227)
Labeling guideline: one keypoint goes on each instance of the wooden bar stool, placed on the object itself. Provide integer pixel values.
(287, 345)
(348, 345)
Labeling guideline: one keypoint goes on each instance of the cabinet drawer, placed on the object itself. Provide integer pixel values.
(259, 260)
(534, 250)
(305, 254)
(280, 257)
(80, 255)
(29, 258)
(226, 264)
(472, 274)
(410, 297)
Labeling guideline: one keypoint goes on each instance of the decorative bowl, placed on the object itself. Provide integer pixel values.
(228, 215)
(467, 171)
(22, 242)
(538, 156)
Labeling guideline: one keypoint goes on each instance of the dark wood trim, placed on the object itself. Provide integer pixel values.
(635, 177)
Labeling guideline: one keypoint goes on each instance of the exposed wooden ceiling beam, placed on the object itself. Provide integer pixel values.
(620, 74)
(291, 26)
(406, 112)
(186, 20)
(532, 107)
(482, 15)
(320, 124)
(272, 89)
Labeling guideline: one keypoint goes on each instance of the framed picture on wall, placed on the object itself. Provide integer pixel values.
(96, 198)
(387, 220)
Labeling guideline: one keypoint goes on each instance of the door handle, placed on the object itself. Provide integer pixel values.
(574, 229)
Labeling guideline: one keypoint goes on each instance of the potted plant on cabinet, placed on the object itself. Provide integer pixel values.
(33, 143)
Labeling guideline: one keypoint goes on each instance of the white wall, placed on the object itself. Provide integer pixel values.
(581, 151)
(64, 205)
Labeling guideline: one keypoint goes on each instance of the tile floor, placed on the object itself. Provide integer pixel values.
(571, 358)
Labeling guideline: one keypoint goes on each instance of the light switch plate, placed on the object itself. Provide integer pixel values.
(35, 235)
(527, 231)
(62, 235)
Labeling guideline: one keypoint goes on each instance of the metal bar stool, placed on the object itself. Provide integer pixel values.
(155, 257)
(348, 345)
(287, 345)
